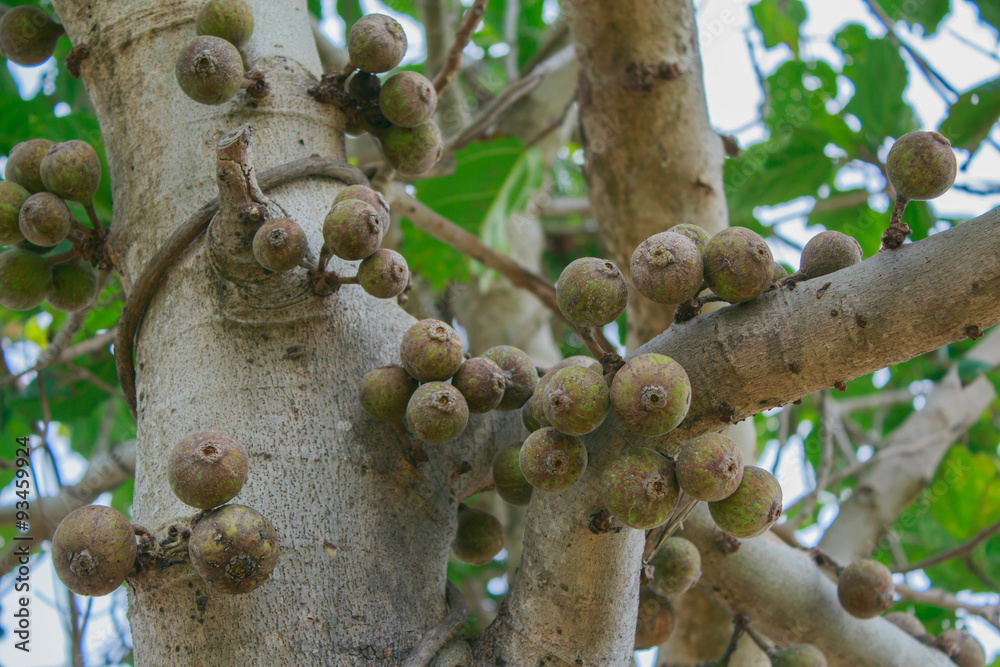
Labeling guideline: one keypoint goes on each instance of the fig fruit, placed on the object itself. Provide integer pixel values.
(798, 655)
(352, 229)
(44, 219)
(519, 373)
(552, 461)
(908, 623)
(12, 197)
(479, 536)
(964, 649)
(74, 285)
(738, 264)
(655, 620)
(710, 467)
(508, 478)
(412, 150)
(407, 99)
(232, 20)
(207, 469)
(28, 35)
(72, 170)
(865, 588)
(639, 488)
(482, 383)
(667, 268)
(575, 400)
(431, 350)
(371, 197)
(25, 279)
(384, 274)
(591, 292)
(376, 43)
(234, 549)
(921, 165)
(828, 252)
(678, 567)
(752, 508)
(23, 164)
(651, 394)
(385, 392)
(698, 235)
(93, 550)
(280, 245)
(437, 412)
(210, 70)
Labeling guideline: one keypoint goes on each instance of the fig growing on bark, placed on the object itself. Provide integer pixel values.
(280, 245)
(482, 383)
(431, 350)
(385, 392)
(678, 567)
(575, 400)
(552, 461)
(752, 508)
(25, 279)
(12, 197)
(44, 219)
(654, 622)
(384, 274)
(437, 412)
(865, 588)
(519, 374)
(234, 549)
(352, 229)
(364, 87)
(667, 268)
(210, 70)
(798, 655)
(74, 285)
(828, 252)
(532, 415)
(639, 488)
(508, 478)
(72, 170)
(372, 197)
(207, 469)
(964, 649)
(479, 536)
(407, 99)
(908, 623)
(412, 150)
(28, 35)
(651, 394)
(23, 164)
(698, 235)
(591, 292)
(921, 165)
(93, 550)
(738, 264)
(232, 20)
(710, 467)
(376, 43)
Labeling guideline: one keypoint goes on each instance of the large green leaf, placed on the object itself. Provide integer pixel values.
(972, 116)
(926, 13)
(989, 11)
(796, 98)
(779, 22)
(965, 495)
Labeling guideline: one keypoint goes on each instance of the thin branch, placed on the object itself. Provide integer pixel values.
(657, 536)
(884, 398)
(955, 552)
(441, 634)
(453, 61)
(945, 600)
(825, 463)
(511, 11)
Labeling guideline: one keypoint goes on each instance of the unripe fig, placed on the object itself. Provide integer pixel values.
(710, 467)
(698, 235)
(25, 279)
(232, 20)
(376, 43)
(479, 536)
(364, 87)
(37, 249)
(752, 508)
(639, 488)
(519, 373)
(369, 196)
(778, 272)
(678, 567)
(28, 36)
(508, 478)
(74, 285)
(384, 274)
(482, 383)
(412, 150)
(12, 196)
(552, 461)
(577, 360)
(921, 165)
(437, 412)
(828, 252)
(352, 229)
(532, 415)
(738, 264)
(591, 292)
(44, 219)
(207, 469)
(385, 392)
(651, 394)
(667, 268)
(964, 649)
(865, 588)
(72, 170)
(280, 245)
(210, 70)
(798, 655)
(655, 620)
(576, 400)
(908, 623)
(431, 350)
(23, 163)
(234, 549)
(93, 550)
(407, 99)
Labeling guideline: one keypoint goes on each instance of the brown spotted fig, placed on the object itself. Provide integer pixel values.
(209, 70)
(508, 478)
(865, 588)
(677, 566)
(655, 620)
(651, 394)
(23, 164)
(385, 392)
(74, 285)
(532, 415)
(908, 623)
(437, 412)
(93, 550)
(407, 99)
(698, 235)
(481, 382)
(372, 197)
(431, 350)
(384, 274)
(964, 649)
(921, 165)
(280, 245)
(639, 488)
(25, 279)
(232, 20)
(412, 150)
(798, 655)
(828, 252)
(519, 373)
(552, 461)
(44, 219)
(479, 536)
(738, 264)
(376, 43)
(575, 400)
(207, 469)
(28, 35)
(710, 467)
(12, 197)
(591, 292)
(72, 170)
(234, 549)
(752, 508)
(352, 229)
(667, 268)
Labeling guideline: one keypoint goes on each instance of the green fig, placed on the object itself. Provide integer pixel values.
(371, 197)
(667, 268)
(207, 469)
(412, 150)
(407, 99)
(964, 649)
(639, 488)
(865, 588)
(12, 197)
(828, 252)
(591, 292)
(655, 620)
(519, 373)
(74, 285)
(437, 412)
(677, 566)
(352, 229)
(508, 478)
(384, 274)
(908, 623)
(710, 467)
(921, 165)
(210, 70)
(697, 234)
(738, 264)
(72, 170)
(376, 43)
(23, 164)
(552, 461)
(28, 35)
(44, 219)
(385, 392)
(752, 508)
(479, 536)
(25, 279)
(651, 394)
(280, 245)
(482, 383)
(234, 549)
(576, 400)
(431, 350)
(232, 20)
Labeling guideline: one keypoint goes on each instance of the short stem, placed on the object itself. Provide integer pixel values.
(349, 280)
(324, 258)
(76, 226)
(94, 220)
(61, 258)
(757, 639)
(309, 266)
(898, 208)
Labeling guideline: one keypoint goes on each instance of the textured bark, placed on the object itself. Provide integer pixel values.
(653, 160)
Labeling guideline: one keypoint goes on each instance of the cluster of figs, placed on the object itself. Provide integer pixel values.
(40, 178)
(233, 548)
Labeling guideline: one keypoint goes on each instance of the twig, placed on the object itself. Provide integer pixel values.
(945, 600)
(442, 633)
(955, 552)
(657, 536)
(825, 462)
(511, 10)
(453, 61)
(94, 220)
(147, 284)
(885, 398)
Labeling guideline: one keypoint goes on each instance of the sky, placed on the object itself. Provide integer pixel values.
(733, 101)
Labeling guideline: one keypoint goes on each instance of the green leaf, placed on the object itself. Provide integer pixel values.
(972, 116)
(989, 11)
(965, 495)
(796, 97)
(779, 22)
(970, 369)
(926, 13)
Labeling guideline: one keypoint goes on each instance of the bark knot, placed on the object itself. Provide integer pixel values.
(641, 77)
